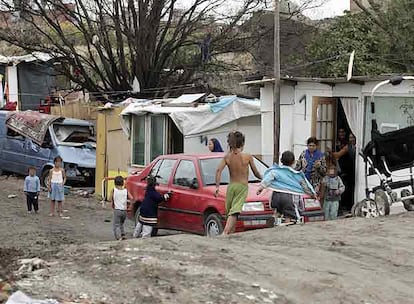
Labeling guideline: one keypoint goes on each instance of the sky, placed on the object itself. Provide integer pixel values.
(329, 9)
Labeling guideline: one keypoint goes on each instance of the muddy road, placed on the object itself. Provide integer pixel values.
(346, 261)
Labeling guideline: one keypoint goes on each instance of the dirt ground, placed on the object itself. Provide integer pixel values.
(345, 261)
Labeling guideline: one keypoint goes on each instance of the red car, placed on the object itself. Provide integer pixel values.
(193, 206)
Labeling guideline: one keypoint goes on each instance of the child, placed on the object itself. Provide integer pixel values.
(332, 188)
(238, 164)
(32, 190)
(286, 184)
(119, 200)
(57, 180)
(148, 214)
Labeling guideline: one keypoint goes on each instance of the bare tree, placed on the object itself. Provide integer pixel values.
(104, 45)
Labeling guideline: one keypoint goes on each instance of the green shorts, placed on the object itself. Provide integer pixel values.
(235, 198)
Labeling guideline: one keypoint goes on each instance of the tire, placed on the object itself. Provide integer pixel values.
(382, 201)
(136, 216)
(213, 225)
(44, 179)
(356, 209)
(154, 232)
(1, 172)
(408, 204)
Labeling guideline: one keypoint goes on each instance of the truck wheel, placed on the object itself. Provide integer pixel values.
(44, 179)
(213, 225)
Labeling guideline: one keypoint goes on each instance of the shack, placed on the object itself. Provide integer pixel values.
(26, 80)
(321, 106)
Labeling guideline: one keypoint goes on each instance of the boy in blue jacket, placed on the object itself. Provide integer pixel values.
(286, 183)
(148, 214)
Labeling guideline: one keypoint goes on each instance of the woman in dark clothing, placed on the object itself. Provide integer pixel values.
(214, 145)
(345, 155)
(313, 163)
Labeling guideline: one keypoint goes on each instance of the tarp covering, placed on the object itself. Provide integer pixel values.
(35, 82)
(35, 56)
(196, 120)
(33, 125)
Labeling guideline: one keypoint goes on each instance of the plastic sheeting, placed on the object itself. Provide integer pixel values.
(196, 120)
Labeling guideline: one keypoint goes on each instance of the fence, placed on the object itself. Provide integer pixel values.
(75, 110)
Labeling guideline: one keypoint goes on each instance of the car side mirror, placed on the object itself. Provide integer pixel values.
(194, 184)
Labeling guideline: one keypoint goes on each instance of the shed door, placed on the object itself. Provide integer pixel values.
(324, 121)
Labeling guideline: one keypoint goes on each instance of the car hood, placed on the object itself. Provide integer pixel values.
(251, 196)
(84, 157)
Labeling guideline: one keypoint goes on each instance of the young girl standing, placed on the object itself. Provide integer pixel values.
(57, 180)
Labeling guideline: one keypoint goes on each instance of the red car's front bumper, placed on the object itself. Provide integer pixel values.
(247, 221)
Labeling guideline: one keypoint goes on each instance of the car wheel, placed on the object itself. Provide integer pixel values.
(44, 179)
(408, 204)
(1, 172)
(137, 215)
(213, 225)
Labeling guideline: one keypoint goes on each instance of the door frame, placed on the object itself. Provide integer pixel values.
(316, 101)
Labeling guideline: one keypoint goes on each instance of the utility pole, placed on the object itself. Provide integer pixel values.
(276, 88)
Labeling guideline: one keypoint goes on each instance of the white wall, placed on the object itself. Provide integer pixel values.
(249, 126)
(12, 82)
(295, 126)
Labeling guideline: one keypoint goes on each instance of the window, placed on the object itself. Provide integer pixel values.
(209, 167)
(14, 134)
(163, 170)
(185, 174)
(157, 136)
(138, 140)
(156, 167)
(392, 113)
(73, 133)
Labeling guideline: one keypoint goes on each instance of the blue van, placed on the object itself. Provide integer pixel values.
(72, 139)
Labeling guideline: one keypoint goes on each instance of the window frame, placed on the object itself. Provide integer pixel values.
(148, 120)
(176, 170)
(173, 167)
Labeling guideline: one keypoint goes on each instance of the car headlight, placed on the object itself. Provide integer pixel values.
(71, 170)
(312, 203)
(250, 207)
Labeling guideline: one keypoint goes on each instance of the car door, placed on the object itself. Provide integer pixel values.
(37, 156)
(163, 170)
(183, 203)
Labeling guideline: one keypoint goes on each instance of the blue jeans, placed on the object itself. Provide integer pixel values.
(330, 209)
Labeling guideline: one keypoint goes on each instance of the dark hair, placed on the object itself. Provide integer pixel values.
(217, 145)
(151, 181)
(235, 140)
(288, 158)
(119, 181)
(312, 140)
(32, 168)
(57, 158)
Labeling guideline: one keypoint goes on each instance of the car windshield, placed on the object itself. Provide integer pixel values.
(209, 166)
(73, 133)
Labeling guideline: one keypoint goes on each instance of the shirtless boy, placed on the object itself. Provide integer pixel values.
(238, 164)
